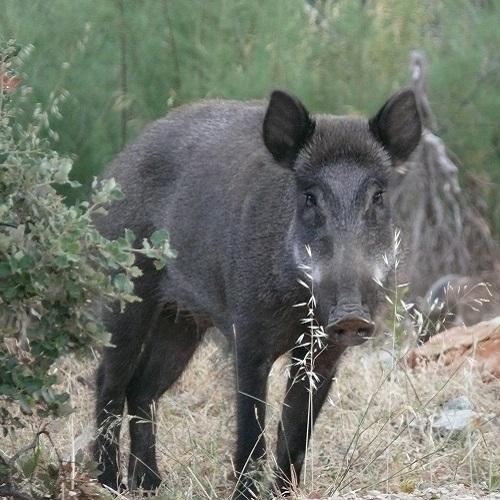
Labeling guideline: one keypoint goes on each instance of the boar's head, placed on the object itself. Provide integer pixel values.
(342, 226)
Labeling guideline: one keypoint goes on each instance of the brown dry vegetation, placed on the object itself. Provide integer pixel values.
(373, 434)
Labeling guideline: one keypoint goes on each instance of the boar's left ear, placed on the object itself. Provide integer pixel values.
(397, 125)
(287, 126)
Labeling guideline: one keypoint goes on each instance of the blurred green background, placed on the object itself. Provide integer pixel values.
(126, 62)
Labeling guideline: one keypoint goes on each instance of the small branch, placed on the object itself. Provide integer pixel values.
(418, 71)
(12, 460)
(7, 489)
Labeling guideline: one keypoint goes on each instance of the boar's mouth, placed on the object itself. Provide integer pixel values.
(350, 329)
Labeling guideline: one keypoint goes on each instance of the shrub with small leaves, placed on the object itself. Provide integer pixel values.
(56, 270)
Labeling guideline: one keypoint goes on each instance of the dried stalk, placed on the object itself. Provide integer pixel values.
(444, 231)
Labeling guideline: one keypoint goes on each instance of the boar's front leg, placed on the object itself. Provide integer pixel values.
(252, 369)
(296, 423)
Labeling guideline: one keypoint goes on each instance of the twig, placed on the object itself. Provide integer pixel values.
(8, 489)
(34, 444)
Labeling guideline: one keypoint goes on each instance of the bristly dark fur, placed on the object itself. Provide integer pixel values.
(243, 189)
(339, 139)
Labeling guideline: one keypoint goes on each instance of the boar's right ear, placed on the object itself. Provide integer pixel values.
(397, 125)
(287, 126)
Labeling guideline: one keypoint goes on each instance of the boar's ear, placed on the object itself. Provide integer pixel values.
(397, 125)
(287, 126)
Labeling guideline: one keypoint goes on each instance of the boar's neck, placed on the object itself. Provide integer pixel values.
(267, 235)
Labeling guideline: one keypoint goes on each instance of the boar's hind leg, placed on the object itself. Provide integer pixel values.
(169, 348)
(295, 426)
(252, 369)
(128, 330)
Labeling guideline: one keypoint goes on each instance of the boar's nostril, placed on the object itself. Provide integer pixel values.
(351, 323)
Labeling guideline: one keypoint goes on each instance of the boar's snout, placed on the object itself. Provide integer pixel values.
(349, 324)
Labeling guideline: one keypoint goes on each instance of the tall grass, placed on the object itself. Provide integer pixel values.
(360, 443)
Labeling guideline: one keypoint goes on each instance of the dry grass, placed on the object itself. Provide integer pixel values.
(373, 434)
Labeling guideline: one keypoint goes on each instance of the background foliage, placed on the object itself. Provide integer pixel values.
(56, 270)
(103, 69)
(126, 63)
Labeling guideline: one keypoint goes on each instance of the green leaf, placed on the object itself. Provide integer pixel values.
(64, 168)
(5, 269)
(129, 236)
(123, 284)
(158, 238)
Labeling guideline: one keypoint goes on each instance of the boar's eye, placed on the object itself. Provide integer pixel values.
(378, 198)
(310, 200)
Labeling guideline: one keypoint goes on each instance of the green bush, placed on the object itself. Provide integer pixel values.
(56, 270)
